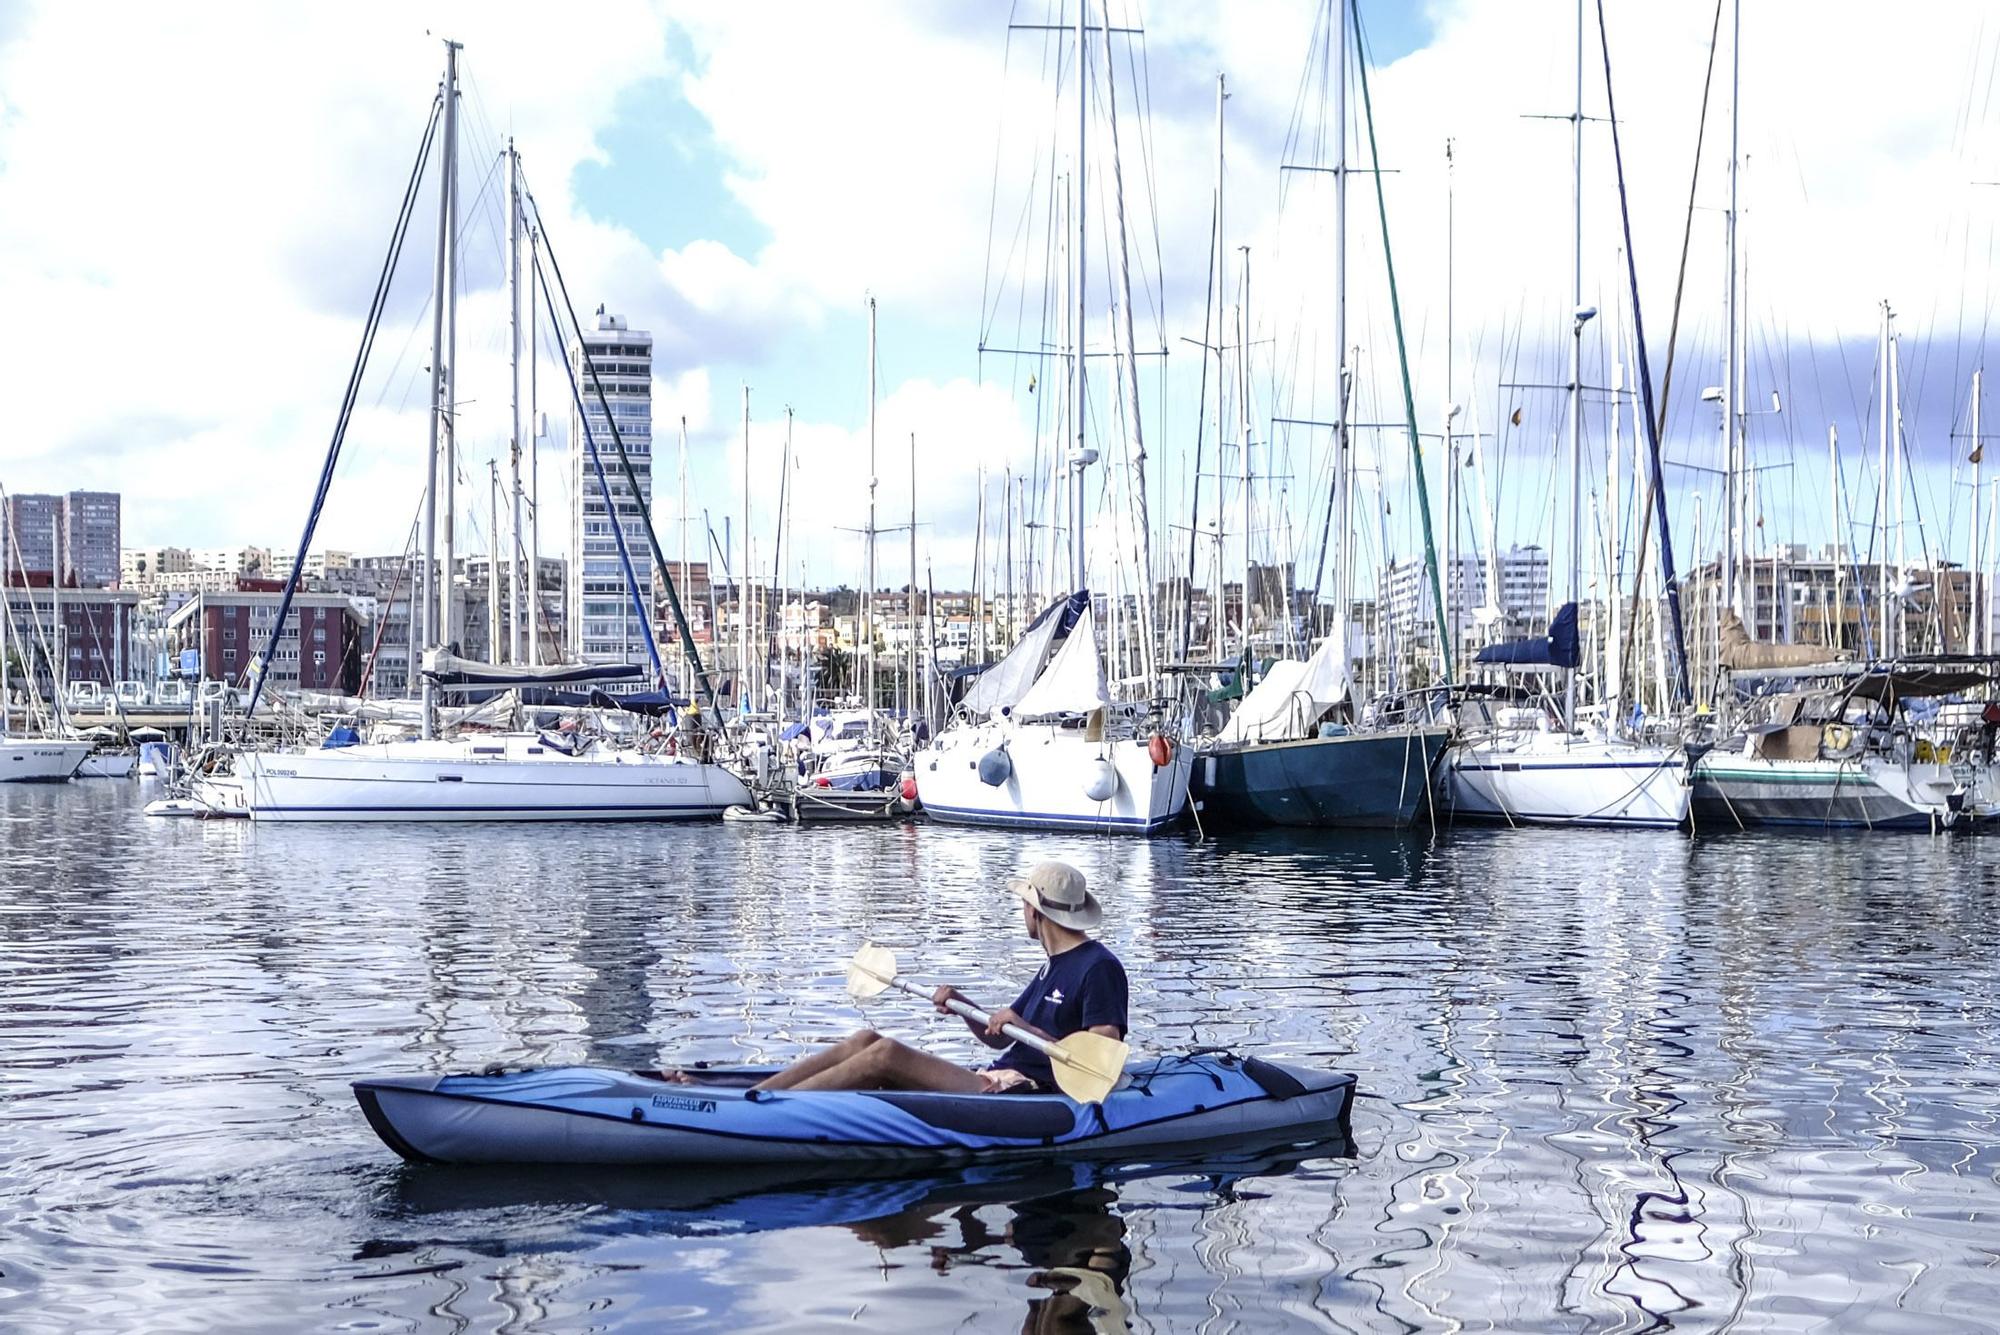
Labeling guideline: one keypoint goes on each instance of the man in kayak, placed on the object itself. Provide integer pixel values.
(1080, 986)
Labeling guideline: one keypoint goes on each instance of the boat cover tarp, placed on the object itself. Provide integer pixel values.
(1558, 649)
(1740, 651)
(1073, 682)
(1002, 685)
(650, 703)
(1287, 704)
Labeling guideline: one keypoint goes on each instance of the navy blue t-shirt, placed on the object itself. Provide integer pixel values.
(1079, 989)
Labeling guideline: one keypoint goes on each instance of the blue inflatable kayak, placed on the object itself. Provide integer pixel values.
(581, 1114)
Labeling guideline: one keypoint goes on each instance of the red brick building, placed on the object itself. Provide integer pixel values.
(319, 650)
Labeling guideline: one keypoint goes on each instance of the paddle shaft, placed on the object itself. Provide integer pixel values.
(978, 1016)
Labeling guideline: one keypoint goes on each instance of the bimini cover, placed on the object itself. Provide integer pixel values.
(1559, 649)
(1073, 682)
(1002, 685)
(1288, 702)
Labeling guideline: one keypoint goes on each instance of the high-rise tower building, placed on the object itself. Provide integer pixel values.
(83, 527)
(604, 625)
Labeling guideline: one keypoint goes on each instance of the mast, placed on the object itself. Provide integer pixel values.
(1343, 478)
(1080, 458)
(1882, 646)
(1896, 463)
(1732, 483)
(515, 626)
(535, 432)
(449, 415)
(433, 588)
(686, 666)
(868, 582)
(1447, 618)
(1581, 316)
(910, 601)
(493, 559)
(1975, 623)
(1218, 617)
(784, 545)
(1243, 430)
(743, 691)
(1835, 636)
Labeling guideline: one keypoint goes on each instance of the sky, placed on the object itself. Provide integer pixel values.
(194, 203)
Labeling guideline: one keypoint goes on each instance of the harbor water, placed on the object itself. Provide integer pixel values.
(1612, 1081)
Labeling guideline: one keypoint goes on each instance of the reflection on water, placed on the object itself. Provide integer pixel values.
(1611, 1081)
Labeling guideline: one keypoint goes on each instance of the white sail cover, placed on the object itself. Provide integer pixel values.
(1003, 684)
(1073, 682)
(1287, 704)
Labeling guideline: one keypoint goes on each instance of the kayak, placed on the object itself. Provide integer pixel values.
(713, 1115)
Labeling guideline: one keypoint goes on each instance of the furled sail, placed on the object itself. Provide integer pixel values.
(1739, 651)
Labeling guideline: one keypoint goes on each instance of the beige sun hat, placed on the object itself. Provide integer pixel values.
(1057, 891)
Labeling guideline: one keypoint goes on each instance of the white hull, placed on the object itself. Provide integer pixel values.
(31, 760)
(512, 777)
(1049, 769)
(109, 765)
(1541, 778)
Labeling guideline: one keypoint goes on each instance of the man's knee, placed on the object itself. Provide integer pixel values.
(862, 1038)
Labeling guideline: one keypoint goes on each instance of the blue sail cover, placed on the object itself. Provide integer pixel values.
(1559, 648)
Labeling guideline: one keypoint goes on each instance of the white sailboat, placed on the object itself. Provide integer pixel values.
(1040, 745)
(1549, 765)
(1038, 742)
(509, 775)
(29, 759)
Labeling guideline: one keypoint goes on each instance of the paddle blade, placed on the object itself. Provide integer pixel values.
(872, 969)
(1087, 1065)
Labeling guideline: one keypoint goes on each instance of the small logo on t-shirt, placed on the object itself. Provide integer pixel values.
(1055, 995)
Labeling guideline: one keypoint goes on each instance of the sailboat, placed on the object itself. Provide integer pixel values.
(510, 775)
(1286, 756)
(28, 759)
(1540, 759)
(1039, 744)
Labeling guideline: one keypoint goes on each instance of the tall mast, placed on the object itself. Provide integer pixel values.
(784, 544)
(515, 625)
(1732, 482)
(1343, 581)
(1577, 322)
(1243, 430)
(449, 415)
(1836, 637)
(1218, 614)
(1975, 640)
(1882, 645)
(433, 587)
(1447, 620)
(910, 601)
(687, 683)
(534, 554)
(868, 581)
(743, 691)
(1080, 458)
(1896, 464)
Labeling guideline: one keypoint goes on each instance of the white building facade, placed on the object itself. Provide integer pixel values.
(604, 625)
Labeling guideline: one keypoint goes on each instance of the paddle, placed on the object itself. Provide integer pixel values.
(1086, 1065)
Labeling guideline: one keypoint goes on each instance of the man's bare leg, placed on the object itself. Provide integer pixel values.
(851, 1046)
(887, 1064)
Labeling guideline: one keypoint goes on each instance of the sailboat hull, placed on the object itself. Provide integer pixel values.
(1049, 770)
(1734, 791)
(490, 778)
(1373, 780)
(28, 760)
(1549, 779)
